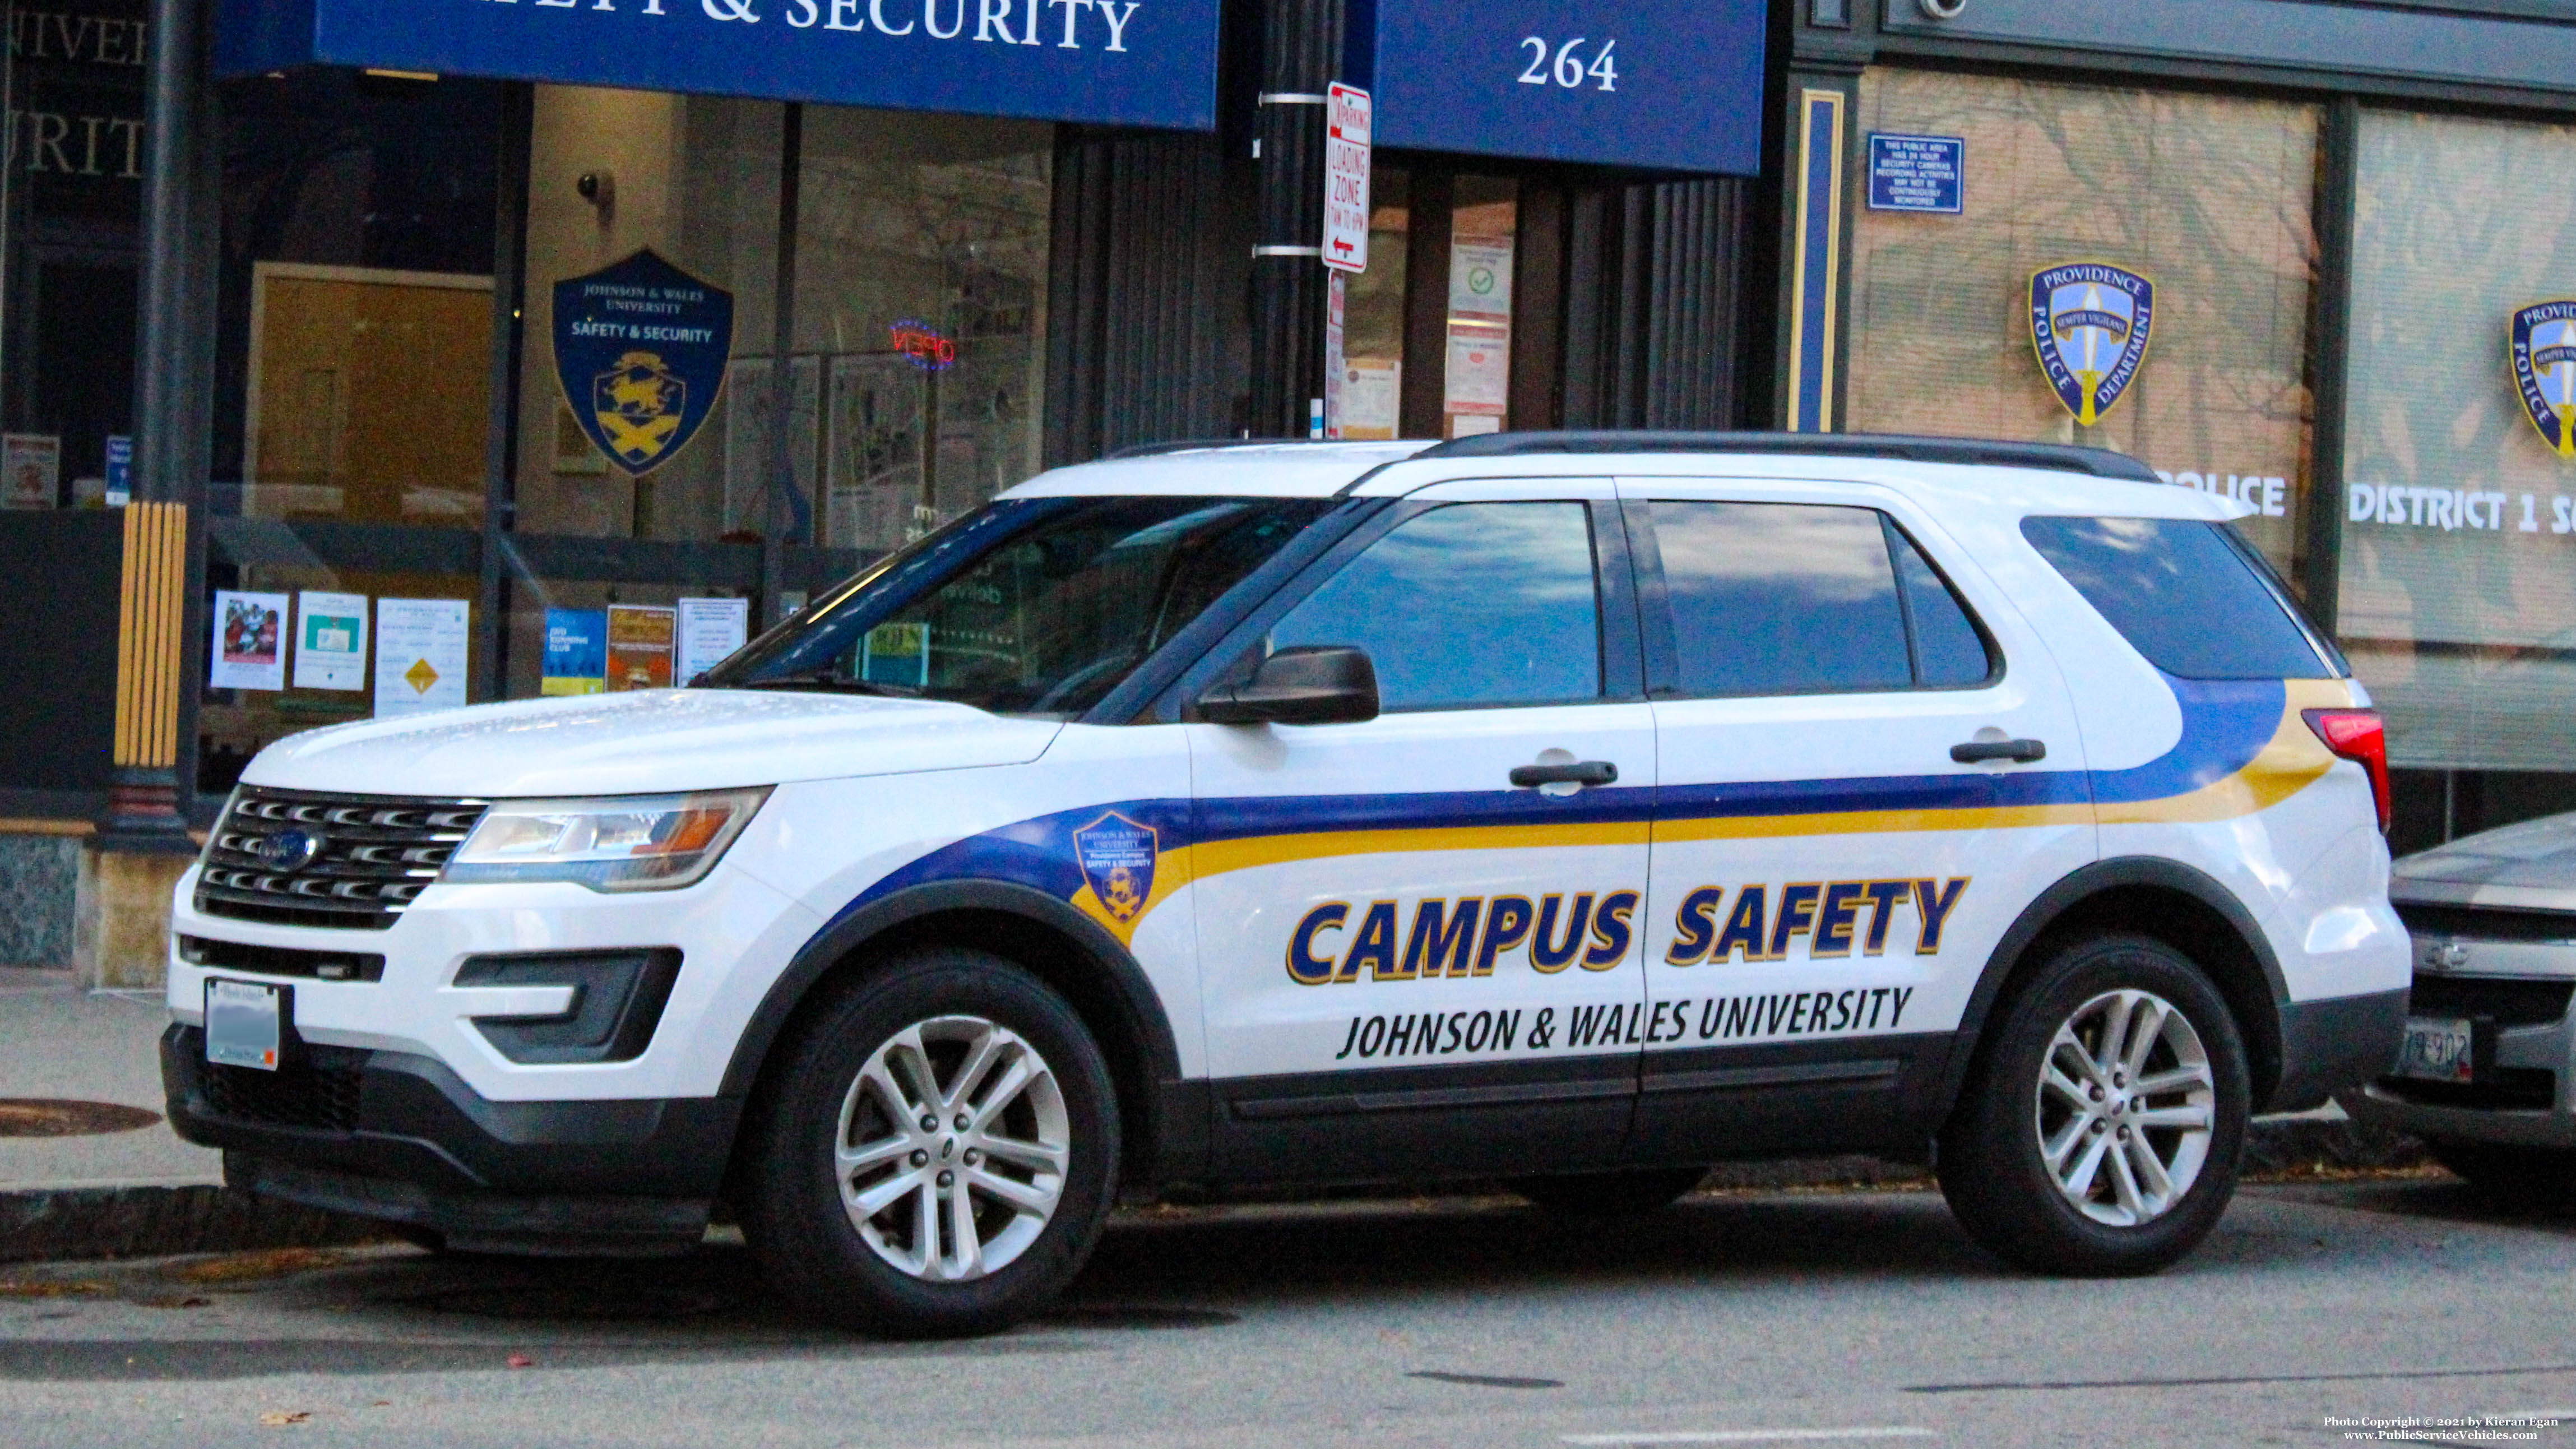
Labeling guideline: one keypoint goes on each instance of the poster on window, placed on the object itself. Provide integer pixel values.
(250, 641)
(1480, 279)
(420, 656)
(709, 631)
(747, 444)
(879, 421)
(31, 470)
(1480, 371)
(330, 640)
(639, 646)
(576, 660)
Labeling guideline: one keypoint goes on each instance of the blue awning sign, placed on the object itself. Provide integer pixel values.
(1111, 62)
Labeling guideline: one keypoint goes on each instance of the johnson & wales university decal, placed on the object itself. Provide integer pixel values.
(1117, 859)
(640, 348)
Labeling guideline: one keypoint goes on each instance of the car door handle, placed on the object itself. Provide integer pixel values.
(1979, 751)
(1585, 772)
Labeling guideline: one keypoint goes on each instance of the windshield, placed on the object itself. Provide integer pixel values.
(1030, 607)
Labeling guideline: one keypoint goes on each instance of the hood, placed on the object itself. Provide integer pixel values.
(646, 742)
(2511, 865)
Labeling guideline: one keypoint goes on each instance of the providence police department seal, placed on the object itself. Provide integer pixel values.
(641, 349)
(1117, 859)
(2090, 322)
(2542, 342)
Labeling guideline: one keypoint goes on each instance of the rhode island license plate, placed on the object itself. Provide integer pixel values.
(243, 1024)
(2436, 1049)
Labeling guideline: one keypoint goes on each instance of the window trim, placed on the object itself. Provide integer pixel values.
(1232, 656)
(1663, 649)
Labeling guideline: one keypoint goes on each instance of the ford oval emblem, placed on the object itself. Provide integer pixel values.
(288, 850)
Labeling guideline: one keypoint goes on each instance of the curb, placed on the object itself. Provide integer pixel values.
(151, 1221)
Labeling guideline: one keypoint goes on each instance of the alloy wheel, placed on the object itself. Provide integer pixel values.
(2125, 1103)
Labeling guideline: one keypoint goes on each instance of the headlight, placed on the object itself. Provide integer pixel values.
(608, 843)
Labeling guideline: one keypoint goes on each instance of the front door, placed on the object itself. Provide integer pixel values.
(1869, 767)
(1413, 965)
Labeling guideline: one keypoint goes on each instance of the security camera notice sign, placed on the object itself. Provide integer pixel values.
(1346, 178)
(1917, 173)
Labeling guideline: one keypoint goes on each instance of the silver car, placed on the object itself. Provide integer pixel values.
(2489, 1051)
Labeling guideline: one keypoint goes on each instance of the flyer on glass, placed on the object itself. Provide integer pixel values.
(576, 652)
(639, 646)
(330, 641)
(420, 656)
(710, 629)
(250, 642)
(31, 470)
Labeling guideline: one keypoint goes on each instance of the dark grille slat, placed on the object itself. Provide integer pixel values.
(378, 853)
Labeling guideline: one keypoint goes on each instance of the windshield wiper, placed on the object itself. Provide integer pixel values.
(831, 682)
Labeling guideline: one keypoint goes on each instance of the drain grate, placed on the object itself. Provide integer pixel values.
(52, 1117)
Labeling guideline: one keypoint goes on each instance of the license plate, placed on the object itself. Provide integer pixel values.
(2436, 1050)
(243, 1024)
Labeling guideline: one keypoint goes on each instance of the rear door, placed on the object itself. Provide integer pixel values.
(1829, 875)
(1412, 965)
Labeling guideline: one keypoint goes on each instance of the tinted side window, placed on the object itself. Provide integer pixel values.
(2179, 592)
(1780, 598)
(1471, 604)
(1948, 650)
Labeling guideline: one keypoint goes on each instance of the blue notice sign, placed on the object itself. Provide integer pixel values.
(1116, 62)
(1917, 173)
(1667, 84)
(640, 348)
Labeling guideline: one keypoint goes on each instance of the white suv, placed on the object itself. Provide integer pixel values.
(1576, 809)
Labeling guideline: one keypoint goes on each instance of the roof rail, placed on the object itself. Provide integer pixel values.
(2057, 457)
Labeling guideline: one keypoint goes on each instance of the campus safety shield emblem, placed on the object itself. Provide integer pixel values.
(2543, 342)
(2090, 322)
(1117, 859)
(640, 350)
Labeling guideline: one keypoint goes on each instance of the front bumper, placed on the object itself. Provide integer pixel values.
(2528, 1101)
(402, 1138)
(2335, 1043)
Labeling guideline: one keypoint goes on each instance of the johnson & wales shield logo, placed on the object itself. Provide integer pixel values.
(2544, 370)
(641, 349)
(1117, 859)
(2090, 322)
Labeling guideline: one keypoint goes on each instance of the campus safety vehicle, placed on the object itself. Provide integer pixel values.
(2489, 1048)
(1577, 809)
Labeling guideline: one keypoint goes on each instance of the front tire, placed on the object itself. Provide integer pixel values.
(2102, 1126)
(936, 1152)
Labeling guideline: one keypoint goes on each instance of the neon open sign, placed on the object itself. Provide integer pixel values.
(923, 345)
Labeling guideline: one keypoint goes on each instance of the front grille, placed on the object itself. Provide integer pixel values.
(319, 1092)
(377, 853)
(2511, 1002)
(2486, 923)
(282, 960)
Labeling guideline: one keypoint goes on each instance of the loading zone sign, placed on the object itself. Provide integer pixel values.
(1346, 178)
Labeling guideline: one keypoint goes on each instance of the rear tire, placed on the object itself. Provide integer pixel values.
(2055, 1160)
(1610, 1194)
(935, 1151)
(2523, 1177)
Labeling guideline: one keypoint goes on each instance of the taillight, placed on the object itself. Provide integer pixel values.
(2356, 734)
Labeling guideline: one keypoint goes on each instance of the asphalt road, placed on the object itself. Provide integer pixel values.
(1792, 1318)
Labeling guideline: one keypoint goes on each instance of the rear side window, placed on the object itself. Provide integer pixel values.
(2183, 593)
(1796, 598)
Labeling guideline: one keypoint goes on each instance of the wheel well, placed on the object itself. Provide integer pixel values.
(2195, 928)
(1053, 957)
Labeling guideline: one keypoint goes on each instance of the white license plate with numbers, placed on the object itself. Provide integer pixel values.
(244, 1024)
(2436, 1050)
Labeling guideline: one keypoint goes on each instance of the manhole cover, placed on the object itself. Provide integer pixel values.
(575, 1304)
(44, 1117)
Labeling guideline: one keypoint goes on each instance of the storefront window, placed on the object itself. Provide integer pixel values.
(2208, 197)
(2458, 599)
(1373, 317)
(1476, 390)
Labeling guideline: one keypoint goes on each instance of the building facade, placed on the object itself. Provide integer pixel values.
(2334, 236)
(362, 358)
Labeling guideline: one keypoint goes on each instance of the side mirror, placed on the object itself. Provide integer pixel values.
(1310, 684)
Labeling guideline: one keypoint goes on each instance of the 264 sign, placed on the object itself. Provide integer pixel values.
(1346, 178)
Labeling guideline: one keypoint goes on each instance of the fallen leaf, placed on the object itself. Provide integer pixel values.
(279, 1418)
(521, 1360)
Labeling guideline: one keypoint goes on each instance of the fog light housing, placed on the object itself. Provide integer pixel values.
(617, 1001)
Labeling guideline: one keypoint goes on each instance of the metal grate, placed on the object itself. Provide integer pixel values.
(2486, 923)
(319, 1093)
(2510, 1001)
(373, 854)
